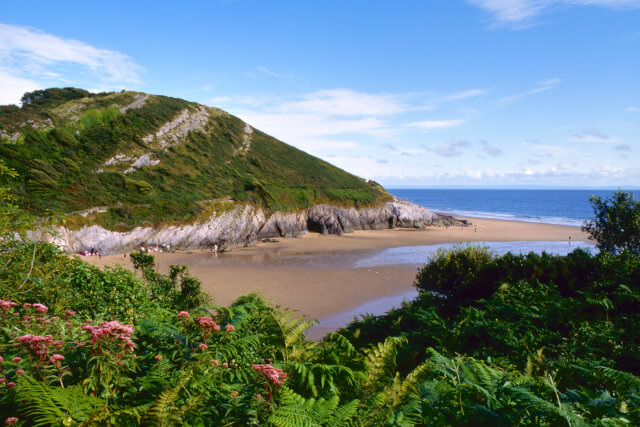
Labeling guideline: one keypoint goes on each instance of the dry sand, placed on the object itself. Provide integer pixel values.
(311, 273)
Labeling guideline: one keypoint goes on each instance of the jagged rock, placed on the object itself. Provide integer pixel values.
(245, 225)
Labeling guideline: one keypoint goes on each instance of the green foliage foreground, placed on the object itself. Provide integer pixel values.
(510, 340)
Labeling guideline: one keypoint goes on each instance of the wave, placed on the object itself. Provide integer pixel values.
(513, 217)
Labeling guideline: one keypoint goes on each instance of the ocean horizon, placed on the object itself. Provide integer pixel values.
(547, 206)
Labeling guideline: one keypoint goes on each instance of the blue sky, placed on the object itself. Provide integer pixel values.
(478, 93)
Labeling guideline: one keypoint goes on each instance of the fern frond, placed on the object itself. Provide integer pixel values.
(165, 412)
(47, 405)
(342, 415)
(381, 360)
(292, 331)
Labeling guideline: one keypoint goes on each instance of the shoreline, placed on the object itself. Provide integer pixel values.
(315, 274)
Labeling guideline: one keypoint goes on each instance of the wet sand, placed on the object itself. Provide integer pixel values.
(316, 274)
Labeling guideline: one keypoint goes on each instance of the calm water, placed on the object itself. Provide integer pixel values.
(568, 207)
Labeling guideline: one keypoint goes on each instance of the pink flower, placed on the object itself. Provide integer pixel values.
(68, 324)
(1, 360)
(111, 331)
(27, 318)
(225, 365)
(69, 312)
(230, 328)
(6, 305)
(207, 323)
(11, 384)
(203, 347)
(40, 308)
(11, 421)
(3, 380)
(20, 372)
(16, 359)
(234, 393)
(215, 363)
(16, 314)
(271, 374)
(56, 357)
(258, 396)
(158, 357)
(184, 314)
(27, 305)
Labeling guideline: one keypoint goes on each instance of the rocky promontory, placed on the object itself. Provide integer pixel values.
(245, 225)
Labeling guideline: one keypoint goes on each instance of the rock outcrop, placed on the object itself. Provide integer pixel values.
(245, 225)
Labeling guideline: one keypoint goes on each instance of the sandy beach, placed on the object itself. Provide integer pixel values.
(317, 274)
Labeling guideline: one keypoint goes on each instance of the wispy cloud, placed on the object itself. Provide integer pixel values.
(464, 94)
(592, 135)
(632, 110)
(490, 150)
(321, 121)
(520, 14)
(542, 86)
(622, 147)
(346, 102)
(265, 70)
(29, 56)
(429, 125)
(413, 152)
(452, 148)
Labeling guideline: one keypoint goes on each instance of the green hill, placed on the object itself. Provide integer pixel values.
(153, 159)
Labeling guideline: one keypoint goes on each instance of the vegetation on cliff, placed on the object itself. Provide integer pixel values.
(148, 158)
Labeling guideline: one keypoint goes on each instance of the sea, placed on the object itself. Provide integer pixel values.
(564, 207)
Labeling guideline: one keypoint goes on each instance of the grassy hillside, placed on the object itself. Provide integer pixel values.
(153, 159)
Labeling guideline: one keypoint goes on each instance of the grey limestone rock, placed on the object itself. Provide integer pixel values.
(245, 225)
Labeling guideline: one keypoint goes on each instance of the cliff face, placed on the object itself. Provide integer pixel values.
(245, 225)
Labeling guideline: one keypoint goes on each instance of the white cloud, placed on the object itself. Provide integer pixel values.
(632, 110)
(30, 56)
(519, 13)
(592, 135)
(428, 125)
(543, 86)
(12, 88)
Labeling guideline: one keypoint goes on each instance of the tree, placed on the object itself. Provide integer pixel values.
(616, 226)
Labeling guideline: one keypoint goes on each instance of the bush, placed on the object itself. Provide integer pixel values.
(616, 226)
(456, 274)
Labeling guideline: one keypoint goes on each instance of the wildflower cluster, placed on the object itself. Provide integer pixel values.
(208, 324)
(38, 346)
(274, 375)
(113, 332)
(7, 305)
